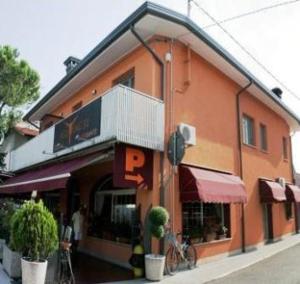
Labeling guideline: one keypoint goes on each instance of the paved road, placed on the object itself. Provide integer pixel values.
(282, 268)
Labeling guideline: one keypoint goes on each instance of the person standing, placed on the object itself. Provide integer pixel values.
(77, 224)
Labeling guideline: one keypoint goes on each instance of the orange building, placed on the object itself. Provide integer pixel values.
(105, 132)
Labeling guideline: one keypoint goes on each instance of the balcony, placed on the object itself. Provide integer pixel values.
(121, 114)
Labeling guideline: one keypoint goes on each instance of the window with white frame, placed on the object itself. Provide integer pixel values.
(205, 222)
(263, 137)
(127, 79)
(113, 212)
(248, 130)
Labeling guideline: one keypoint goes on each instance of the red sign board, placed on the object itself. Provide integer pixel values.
(133, 167)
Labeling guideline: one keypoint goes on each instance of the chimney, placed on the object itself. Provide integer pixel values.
(70, 63)
(277, 92)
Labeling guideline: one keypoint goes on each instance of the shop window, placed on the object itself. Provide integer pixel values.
(248, 130)
(263, 137)
(205, 222)
(127, 79)
(112, 213)
(285, 148)
(288, 210)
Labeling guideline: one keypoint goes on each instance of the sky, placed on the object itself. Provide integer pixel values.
(46, 32)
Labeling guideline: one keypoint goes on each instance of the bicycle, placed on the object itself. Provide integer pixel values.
(66, 275)
(65, 271)
(180, 252)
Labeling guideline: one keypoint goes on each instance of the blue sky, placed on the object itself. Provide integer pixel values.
(47, 32)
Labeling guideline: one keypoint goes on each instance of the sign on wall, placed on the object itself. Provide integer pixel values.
(133, 167)
(84, 124)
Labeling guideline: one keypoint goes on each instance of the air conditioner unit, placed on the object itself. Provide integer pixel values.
(281, 181)
(189, 133)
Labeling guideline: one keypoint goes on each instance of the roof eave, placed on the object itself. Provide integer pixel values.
(165, 13)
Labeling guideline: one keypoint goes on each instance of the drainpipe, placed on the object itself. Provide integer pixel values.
(157, 59)
(238, 95)
(162, 97)
(294, 182)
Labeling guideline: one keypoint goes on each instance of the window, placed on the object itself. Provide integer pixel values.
(285, 148)
(263, 137)
(127, 79)
(248, 130)
(113, 212)
(205, 221)
(77, 106)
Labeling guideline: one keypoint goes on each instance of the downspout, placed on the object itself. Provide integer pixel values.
(294, 182)
(238, 95)
(157, 59)
(162, 97)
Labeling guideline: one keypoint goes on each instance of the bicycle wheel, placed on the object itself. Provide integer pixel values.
(172, 261)
(191, 256)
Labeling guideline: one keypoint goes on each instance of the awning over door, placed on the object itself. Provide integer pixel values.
(210, 186)
(292, 193)
(48, 178)
(271, 191)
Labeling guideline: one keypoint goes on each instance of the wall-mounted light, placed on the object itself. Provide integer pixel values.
(94, 92)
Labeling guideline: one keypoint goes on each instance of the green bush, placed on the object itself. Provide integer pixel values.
(7, 209)
(34, 231)
(158, 216)
(157, 231)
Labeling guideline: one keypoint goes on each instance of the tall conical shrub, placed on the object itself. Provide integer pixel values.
(34, 231)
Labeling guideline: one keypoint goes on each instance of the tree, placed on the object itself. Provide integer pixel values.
(19, 86)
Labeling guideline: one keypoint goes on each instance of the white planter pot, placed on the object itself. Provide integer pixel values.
(2, 243)
(154, 265)
(11, 262)
(33, 272)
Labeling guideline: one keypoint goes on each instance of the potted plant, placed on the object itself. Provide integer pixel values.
(196, 234)
(210, 233)
(34, 234)
(154, 264)
(7, 208)
(11, 258)
(222, 232)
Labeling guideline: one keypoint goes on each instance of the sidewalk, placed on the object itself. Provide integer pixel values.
(217, 269)
(4, 279)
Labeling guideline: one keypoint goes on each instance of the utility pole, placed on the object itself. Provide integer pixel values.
(189, 6)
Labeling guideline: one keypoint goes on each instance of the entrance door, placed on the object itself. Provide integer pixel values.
(268, 222)
(73, 199)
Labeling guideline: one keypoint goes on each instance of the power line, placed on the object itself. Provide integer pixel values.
(246, 51)
(253, 12)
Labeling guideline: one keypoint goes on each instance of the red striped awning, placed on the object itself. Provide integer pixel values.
(271, 191)
(50, 177)
(198, 184)
(292, 193)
